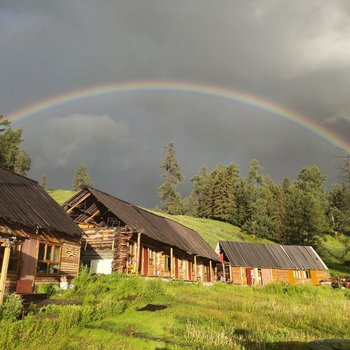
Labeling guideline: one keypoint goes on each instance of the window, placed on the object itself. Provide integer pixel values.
(167, 263)
(14, 259)
(151, 257)
(48, 258)
(305, 274)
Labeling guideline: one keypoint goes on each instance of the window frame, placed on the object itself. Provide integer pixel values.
(15, 258)
(50, 261)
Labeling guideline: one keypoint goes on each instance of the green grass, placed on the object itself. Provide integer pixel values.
(213, 231)
(61, 196)
(198, 317)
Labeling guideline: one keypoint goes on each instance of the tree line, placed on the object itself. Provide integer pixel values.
(294, 212)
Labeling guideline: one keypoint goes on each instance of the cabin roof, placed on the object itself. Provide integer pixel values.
(25, 204)
(289, 257)
(154, 226)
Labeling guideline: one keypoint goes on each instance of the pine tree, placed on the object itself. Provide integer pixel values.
(200, 184)
(43, 181)
(339, 199)
(170, 197)
(81, 177)
(306, 207)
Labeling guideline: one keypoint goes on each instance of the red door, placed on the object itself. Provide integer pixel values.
(249, 273)
(145, 260)
(27, 266)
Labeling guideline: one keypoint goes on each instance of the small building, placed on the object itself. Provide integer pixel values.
(39, 242)
(255, 263)
(122, 237)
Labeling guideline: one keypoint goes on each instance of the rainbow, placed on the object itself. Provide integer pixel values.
(231, 94)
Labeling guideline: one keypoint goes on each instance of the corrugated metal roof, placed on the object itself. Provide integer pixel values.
(258, 255)
(154, 226)
(23, 203)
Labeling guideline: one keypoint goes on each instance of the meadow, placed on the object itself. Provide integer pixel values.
(195, 317)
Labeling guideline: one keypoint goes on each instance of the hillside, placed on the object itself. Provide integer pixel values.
(60, 196)
(335, 251)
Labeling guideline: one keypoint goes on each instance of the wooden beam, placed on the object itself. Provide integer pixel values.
(195, 268)
(171, 262)
(138, 252)
(4, 269)
(97, 212)
(71, 207)
(231, 277)
(210, 271)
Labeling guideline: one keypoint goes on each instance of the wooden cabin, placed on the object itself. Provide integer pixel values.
(39, 242)
(258, 264)
(121, 237)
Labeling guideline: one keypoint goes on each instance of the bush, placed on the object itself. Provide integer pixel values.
(12, 307)
(49, 289)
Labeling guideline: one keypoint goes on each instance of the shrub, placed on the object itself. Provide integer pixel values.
(12, 307)
(49, 289)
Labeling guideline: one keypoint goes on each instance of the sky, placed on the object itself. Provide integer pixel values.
(293, 53)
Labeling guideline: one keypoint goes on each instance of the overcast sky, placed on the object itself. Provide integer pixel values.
(295, 53)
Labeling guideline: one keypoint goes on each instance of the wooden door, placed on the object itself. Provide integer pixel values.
(249, 273)
(145, 260)
(189, 270)
(291, 277)
(176, 268)
(27, 270)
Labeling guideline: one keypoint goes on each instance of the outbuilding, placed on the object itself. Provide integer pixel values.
(258, 264)
(122, 237)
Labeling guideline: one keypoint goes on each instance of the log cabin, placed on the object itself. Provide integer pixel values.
(258, 264)
(124, 238)
(39, 242)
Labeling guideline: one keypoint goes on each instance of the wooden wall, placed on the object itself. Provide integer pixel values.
(238, 276)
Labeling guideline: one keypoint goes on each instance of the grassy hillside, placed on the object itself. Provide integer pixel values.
(335, 251)
(60, 196)
(213, 231)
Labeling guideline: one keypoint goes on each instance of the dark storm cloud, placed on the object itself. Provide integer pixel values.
(296, 54)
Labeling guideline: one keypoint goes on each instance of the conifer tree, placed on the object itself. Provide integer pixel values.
(81, 177)
(306, 207)
(170, 197)
(12, 156)
(43, 181)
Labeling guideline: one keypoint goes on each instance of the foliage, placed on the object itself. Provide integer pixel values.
(12, 156)
(81, 177)
(170, 197)
(11, 308)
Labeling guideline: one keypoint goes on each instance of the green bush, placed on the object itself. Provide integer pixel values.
(49, 289)
(12, 307)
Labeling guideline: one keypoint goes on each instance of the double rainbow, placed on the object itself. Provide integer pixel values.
(315, 128)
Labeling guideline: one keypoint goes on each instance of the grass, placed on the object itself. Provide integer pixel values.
(61, 196)
(198, 317)
(213, 231)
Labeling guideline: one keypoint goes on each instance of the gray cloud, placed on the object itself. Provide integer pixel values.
(295, 54)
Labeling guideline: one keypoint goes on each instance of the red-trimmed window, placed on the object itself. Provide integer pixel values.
(48, 258)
